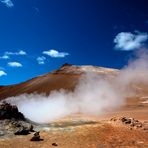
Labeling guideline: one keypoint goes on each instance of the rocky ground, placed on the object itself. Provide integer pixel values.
(72, 132)
(104, 134)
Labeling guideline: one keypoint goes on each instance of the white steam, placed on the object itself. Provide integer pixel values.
(93, 95)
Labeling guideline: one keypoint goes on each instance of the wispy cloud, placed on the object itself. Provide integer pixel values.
(4, 57)
(15, 64)
(7, 54)
(130, 41)
(21, 52)
(7, 3)
(55, 54)
(2, 73)
(41, 60)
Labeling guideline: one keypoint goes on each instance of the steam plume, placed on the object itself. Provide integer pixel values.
(93, 95)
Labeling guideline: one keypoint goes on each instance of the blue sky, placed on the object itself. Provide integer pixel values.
(38, 36)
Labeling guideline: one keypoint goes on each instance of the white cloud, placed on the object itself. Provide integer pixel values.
(130, 41)
(7, 54)
(4, 57)
(41, 60)
(55, 54)
(15, 64)
(2, 73)
(8, 3)
(21, 52)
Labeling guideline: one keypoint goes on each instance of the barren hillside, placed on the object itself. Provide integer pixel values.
(65, 77)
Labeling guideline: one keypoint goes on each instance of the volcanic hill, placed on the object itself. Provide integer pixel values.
(66, 77)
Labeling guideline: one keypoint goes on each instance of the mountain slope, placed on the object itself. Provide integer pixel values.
(66, 77)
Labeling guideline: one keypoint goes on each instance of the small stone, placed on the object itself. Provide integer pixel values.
(36, 137)
(145, 128)
(54, 144)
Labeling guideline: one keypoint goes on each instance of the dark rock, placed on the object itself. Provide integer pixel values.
(8, 111)
(126, 120)
(54, 144)
(36, 137)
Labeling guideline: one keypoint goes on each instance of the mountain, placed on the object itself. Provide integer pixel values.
(65, 77)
